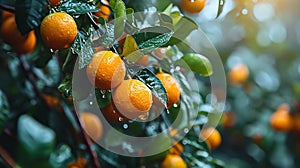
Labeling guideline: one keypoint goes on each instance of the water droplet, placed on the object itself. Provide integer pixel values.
(120, 118)
(167, 111)
(244, 11)
(114, 111)
(175, 105)
(184, 142)
(103, 96)
(125, 126)
(102, 91)
(177, 68)
(91, 103)
(172, 70)
(186, 130)
(51, 50)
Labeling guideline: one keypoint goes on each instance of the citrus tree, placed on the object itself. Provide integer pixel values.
(86, 83)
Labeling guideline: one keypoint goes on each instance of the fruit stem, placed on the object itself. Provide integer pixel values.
(7, 158)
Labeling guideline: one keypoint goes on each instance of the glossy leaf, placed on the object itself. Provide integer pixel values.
(37, 140)
(198, 63)
(151, 38)
(103, 98)
(61, 156)
(29, 14)
(131, 50)
(4, 110)
(152, 82)
(119, 21)
(66, 86)
(77, 7)
(83, 47)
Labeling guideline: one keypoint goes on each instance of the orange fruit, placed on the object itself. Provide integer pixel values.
(283, 106)
(58, 30)
(22, 44)
(211, 136)
(106, 70)
(5, 15)
(238, 74)
(143, 61)
(79, 163)
(50, 100)
(176, 149)
(229, 119)
(281, 121)
(92, 125)
(132, 98)
(173, 161)
(104, 12)
(172, 88)
(113, 115)
(192, 7)
(296, 124)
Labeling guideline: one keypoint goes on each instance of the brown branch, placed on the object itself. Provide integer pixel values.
(7, 158)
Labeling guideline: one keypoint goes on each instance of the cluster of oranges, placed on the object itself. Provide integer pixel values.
(131, 98)
(10, 34)
(282, 120)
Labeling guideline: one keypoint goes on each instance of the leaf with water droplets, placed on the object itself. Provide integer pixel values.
(103, 98)
(151, 81)
(76, 7)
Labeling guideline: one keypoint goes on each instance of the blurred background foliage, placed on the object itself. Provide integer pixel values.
(262, 35)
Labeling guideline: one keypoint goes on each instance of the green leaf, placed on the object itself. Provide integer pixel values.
(66, 86)
(77, 7)
(151, 38)
(198, 63)
(106, 39)
(29, 14)
(183, 26)
(221, 6)
(4, 110)
(36, 140)
(152, 82)
(119, 21)
(131, 50)
(61, 156)
(103, 98)
(83, 47)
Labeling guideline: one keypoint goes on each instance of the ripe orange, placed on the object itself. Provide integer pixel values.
(79, 163)
(211, 136)
(281, 121)
(106, 70)
(143, 61)
(193, 7)
(296, 124)
(173, 161)
(132, 98)
(104, 12)
(176, 149)
(5, 15)
(172, 87)
(92, 125)
(238, 74)
(229, 119)
(58, 30)
(12, 36)
(113, 115)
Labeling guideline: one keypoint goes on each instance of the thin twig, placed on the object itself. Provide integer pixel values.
(7, 158)
(87, 141)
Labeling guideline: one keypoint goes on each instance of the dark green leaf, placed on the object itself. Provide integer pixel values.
(77, 7)
(119, 21)
(42, 60)
(198, 63)
(151, 38)
(106, 39)
(4, 110)
(103, 98)
(131, 50)
(29, 14)
(66, 86)
(35, 139)
(83, 47)
(221, 6)
(183, 26)
(152, 82)
(61, 156)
